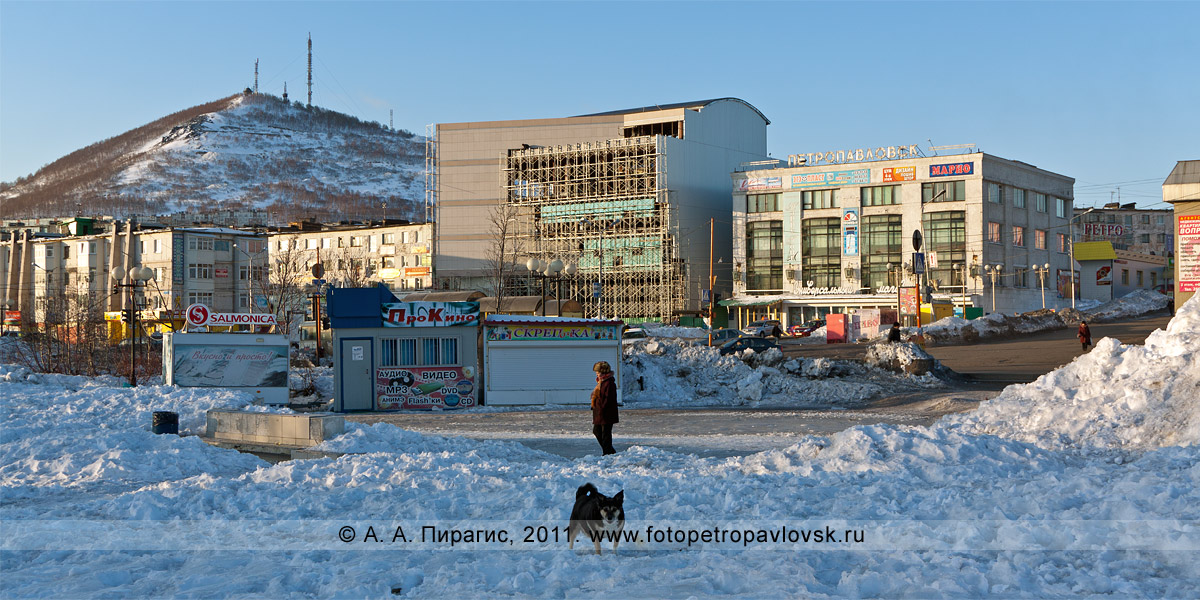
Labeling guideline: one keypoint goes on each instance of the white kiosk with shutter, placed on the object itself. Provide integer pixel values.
(546, 360)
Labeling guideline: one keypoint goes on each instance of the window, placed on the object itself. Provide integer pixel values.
(993, 232)
(389, 262)
(879, 196)
(1062, 242)
(397, 352)
(944, 191)
(814, 199)
(416, 237)
(243, 300)
(92, 248)
(389, 238)
(404, 237)
(255, 273)
(882, 243)
(199, 298)
(1144, 238)
(200, 243)
(1019, 198)
(764, 255)
(438, 351)
(995, 193)
(1020, 278)
(1061, 208)
(1039, 239)
(141, 246)
(311, 243)
(1039, 201)
(946, 234)
(281, 245)
(341, 242)
(1129, 219)
(821, 249)
(158, 246)
(1162, 219)
(326, 243)
(1153, 279)
(49, 251)
(356, 241)
(1124, 276)
(1139, 279)
(1145, 219)
(200, 271)
(66, 251)
(756, 203)
(1018, 234)
(221, 245)
(1162, 238)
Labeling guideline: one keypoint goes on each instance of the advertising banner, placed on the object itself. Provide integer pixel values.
(831, 179)
(1064, 283)
(909, 300)
(424, 387)
(850, 242)
(230, 366)
(1187, 261)
(759, 183)
(430, 314)
(416, 271)
(891, 174)
(532, 332)
(1104, 276)
(952, 169)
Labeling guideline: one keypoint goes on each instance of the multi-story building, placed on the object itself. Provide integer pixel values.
(396, 253)
(834, 231)
(1182, 190)
(627, 196)
(1144, 231)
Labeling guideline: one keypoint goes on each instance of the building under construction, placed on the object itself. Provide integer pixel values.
(626, 196)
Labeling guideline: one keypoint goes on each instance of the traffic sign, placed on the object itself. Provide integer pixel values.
(595, 289)
(918, 262)
(917, 240)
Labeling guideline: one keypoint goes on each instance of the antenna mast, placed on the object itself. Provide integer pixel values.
(391, 122)
(310, 69)
(256, 76)
(285, 91)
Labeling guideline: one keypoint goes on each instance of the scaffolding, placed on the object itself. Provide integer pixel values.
(604, 207)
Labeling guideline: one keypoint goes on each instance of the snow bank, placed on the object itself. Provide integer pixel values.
(1112, 397)
(678, 373)
(1135, 303)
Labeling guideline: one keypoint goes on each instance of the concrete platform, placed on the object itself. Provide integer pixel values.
(272, 433)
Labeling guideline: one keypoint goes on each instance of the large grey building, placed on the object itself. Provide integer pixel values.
(626, 196)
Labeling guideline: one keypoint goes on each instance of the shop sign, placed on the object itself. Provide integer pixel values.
(221, 271)
(1103, 230)
(389, 273)
(952, 169)
(1104, 276)
(1187, 260)
(430, 314)
(829, 291)
(856, 155)
(831, 178)
(14, 316)
(424, 387)
(420, 249)
(759, 183)
(199, 315)
(523, 332)
(416, 271)
(891, 174)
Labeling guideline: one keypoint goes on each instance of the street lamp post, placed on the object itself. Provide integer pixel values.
(1041, 271)
(249, 276)
(993, 272)
(8, 304)
(1071, 243)
(138, 276)
(543, 270)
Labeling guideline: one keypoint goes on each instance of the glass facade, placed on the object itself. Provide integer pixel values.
(821, 249)
(947, 191)
(946, 234)
(882, 243)
(764, 256)
(880, 196)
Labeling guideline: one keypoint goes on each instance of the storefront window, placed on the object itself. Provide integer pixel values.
(946, 234)
(764, 255)
(882, 243)
(821, 248)
(398, 352)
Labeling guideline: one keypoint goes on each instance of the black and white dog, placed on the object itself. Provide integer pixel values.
(597, 516)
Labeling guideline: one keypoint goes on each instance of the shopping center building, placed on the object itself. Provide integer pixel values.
(830, 232)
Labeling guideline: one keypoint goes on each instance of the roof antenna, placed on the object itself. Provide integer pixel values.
(931, 146)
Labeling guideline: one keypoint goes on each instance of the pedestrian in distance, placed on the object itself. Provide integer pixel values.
(604, 406)
(894, 333)
(1085, 335)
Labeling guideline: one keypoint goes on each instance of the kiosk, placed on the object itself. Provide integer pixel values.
(547, 360)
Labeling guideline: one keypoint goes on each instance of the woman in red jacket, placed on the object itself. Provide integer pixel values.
(604, 406)
(1085, 335)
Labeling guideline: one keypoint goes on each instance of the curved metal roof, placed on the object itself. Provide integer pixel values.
(696, 104)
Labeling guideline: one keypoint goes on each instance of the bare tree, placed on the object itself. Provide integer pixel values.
(285, 285)
(350, 266)
(504, 251)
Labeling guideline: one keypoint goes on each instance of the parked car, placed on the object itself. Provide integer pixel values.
(720, 336)
(806, 329)
(764, 328)
(758, 344)
(633, 333)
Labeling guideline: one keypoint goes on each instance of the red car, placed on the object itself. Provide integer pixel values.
(806, 329)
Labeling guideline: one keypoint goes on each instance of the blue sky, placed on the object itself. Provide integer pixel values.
(1104, 92)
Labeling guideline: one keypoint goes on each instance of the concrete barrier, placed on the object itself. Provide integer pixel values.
(271, 429)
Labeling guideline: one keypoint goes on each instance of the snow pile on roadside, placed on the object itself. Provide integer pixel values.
(1137, 302)
(671, 331)
(1112, 397)
(898, 357)
(677, 373)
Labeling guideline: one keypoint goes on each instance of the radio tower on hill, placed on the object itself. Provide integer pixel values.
(256, 76)
(310, 69)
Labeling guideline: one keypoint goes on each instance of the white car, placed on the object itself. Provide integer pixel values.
(764, 328)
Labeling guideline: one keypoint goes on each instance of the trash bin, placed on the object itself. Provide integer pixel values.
(165, 422)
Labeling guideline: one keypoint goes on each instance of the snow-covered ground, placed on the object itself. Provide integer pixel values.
(1082, 483)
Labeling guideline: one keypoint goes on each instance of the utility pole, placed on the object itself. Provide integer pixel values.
(310, 69)
(711, 281)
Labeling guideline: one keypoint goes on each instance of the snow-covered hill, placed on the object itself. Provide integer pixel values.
(251, 151)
